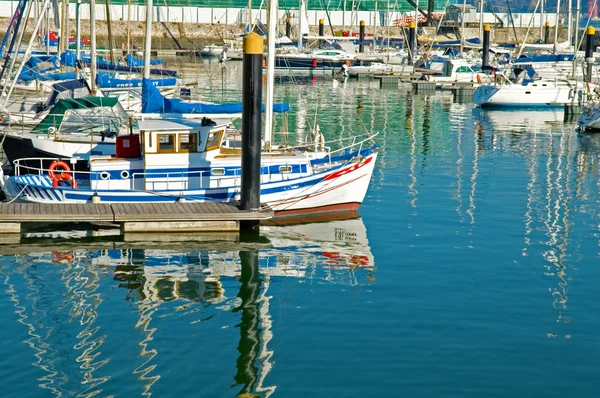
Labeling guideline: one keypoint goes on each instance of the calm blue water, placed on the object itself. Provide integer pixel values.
(471, 270)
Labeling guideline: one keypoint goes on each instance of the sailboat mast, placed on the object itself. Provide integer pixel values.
(569, 18)
(148, 44)
(300, 24)
(109, 28)
(93, 45)
(128, 26)
(78, 30)
(63, 26)
(556, 25)
(462, 28)
(542, 22)
(272, 33)
(249, 16)
(481, 19)
(48, 30)
(375, 26)
(26, 54)
(576, 43)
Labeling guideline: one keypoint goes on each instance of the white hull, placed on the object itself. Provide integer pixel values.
(539, 93)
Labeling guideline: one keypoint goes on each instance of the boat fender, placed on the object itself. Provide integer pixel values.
(478, 79)
(570, 93)
(314, 63)
(319, 139)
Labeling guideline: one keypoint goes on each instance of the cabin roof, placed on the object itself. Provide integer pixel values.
(163, 125)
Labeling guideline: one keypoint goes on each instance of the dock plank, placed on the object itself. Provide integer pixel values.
(129, 212)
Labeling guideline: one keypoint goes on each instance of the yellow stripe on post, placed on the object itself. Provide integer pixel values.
(412, 25)
(591, 31)
(486, 27)
(254, 44)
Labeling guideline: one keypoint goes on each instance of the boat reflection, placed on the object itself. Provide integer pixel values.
(204, 279)
(519, 121)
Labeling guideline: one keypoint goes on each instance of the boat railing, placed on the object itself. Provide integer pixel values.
(341, 145)
(25, 166)
(182, 179)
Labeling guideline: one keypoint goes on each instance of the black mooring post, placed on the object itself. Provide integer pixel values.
(411, 42)
(547, 33)
(589, 52)
(485, 57)
(361, 37)
(251, 125)
(288, 28)
(321, 31)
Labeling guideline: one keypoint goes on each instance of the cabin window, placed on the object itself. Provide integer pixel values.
(463, 69)
(214, 140)
(285, 169)
(166, 142)
(527, 92)
(188, 143)
(218, 172)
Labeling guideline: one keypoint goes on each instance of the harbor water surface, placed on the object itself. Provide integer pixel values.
(471, 269)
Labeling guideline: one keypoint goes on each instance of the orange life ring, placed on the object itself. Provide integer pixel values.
(65, 174)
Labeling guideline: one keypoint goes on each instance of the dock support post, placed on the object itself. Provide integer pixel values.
(547, 33)
(589, 52)
(361, 37)
(321, 31)
(251, 125)
(411, 42)
(288, 28)
(485, 57)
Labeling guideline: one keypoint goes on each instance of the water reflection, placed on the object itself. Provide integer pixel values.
(67, 299)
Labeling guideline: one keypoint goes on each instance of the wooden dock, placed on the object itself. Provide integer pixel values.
(133, 217)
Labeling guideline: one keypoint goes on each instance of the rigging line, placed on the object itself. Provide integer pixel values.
(512, 22)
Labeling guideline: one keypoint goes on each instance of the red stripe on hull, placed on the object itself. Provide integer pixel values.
(322, 209)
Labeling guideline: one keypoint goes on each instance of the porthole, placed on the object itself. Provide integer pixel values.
(218, 172)
(124, 174)
(104, 175)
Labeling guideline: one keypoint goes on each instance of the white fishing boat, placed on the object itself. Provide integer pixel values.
(188, 161)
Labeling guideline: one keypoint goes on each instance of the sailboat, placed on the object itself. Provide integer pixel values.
(187, 160)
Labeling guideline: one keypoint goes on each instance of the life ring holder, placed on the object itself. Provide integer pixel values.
(64, 175)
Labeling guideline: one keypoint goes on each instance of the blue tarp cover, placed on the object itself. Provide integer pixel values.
(133, 61)
(104, 80)
(544, 58)
(154, 102)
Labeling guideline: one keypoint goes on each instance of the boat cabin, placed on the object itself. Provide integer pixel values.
(165, 155)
